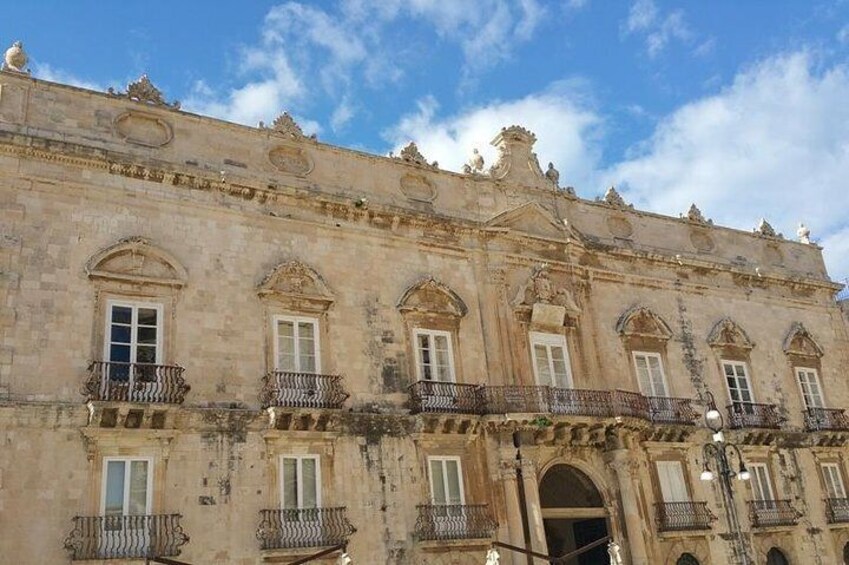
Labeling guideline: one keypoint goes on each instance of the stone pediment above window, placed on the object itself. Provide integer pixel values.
(429, 296)
(643, 322)
(135, 260)
(298, 285)
(728, 334)
(531, 219)
(800, 342)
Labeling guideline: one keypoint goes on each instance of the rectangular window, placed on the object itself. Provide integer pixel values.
(296, 345)
(833, 480)
(810, 385)
(737, 379)
(446, 481)
(761, 483)
(550, 360)
(650, 373)
(126, 486)
(133, 332)
(670, 475)
(434, 357)
(300, 482)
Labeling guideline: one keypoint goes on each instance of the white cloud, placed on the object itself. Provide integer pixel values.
(843, 35)
(341, 115)
(644, 18)
(47, 72)
(641, 16)
(775, 143)
(567, 131)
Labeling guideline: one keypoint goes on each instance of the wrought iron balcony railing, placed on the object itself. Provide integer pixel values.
(666, 410)
(125, 537)
(446, 398)
(682, 516)
(454, 522)
(303, 527)
(753, 415)
(826, 419)
(504, 399)
(772, 513)
(837, 510)
(580, 402)
(302, 390)
(135, 382)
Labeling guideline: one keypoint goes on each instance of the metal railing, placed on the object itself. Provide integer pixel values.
(753, 415)
(303, 527)
(446, 398)
(135, 382)
(667, 410)
(302, 390)
(772, 513)
(821, 419)
(504, 399)
(837, 510)
(125, 537)
(682, 516)
(580, 402)
(454, 522)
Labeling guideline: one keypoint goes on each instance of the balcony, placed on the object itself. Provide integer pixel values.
(837, 510)
(445, 398)
(135, 382)
(683, 516)
(125, 537)
(302, 390)
(293, 528)
(826, 419)
(665, 410)
(454, 522)
(753, 415)
(763, 513)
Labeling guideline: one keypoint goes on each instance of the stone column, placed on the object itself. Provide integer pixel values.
(620, 460)
(535, 525)
(514, 513)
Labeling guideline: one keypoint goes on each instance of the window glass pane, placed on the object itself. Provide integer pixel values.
(120, 334)
(138, 487)
(437, 482)
(452, 470)
(147, 316)
(561, 372)
(310, 486)
(543, 368)
(119, 353)
(729, 370)
(145, 354)
(122, 314)
(286, 346)
(290, 482)
(424, 357)
(642, 365)
(306, 330)
(147, 335)
(114, 503)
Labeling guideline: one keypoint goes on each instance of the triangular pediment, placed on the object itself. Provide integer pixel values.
(640, 321)
(298, 284)
(799, 341)
(728, 334)
(135, 260)
(433, 297)
(531, 219)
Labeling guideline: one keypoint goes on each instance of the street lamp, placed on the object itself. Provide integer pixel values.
(720, 453)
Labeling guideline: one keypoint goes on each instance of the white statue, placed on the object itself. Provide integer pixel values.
(614, 552)
(475, 163)
(344, 559)
(804, 234)
(492, 557)
(15, 58)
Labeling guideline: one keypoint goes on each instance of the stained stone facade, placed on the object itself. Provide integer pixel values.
(241, 345)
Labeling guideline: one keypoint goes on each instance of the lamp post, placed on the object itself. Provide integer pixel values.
(720, 453)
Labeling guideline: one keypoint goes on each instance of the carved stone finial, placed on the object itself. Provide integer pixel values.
(411, 154)
(517, 162)
(16, 59)
(553, 175)
(804, 234)
(143, 90)
(613, 198)
(285, 124)
(764, 229)
(695, 215)
(475, 164)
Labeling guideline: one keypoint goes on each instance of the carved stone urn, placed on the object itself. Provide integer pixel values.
(15, 58)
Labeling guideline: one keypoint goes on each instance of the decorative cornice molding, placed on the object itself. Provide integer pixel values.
(142, 90)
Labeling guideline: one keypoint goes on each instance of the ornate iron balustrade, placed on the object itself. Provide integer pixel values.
(630, 404)
(135, 382)
(504, 399)
(454, 522)
(581, 402)
(837, 510)
(303, 527)
(753, 415)
(664, 410)
(125, 537)
(772, 513)
(446, 398)
(682, 516)
(302, 390)
(822, 419)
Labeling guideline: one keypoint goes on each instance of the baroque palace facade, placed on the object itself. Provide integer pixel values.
(239, 345)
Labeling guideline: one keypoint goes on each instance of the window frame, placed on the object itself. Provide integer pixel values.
(683, 473)
(745, 365)
(665, 383)
(460, 478)
(796, 370)
(299, 471)
(431, 334)
(127, 460)
(134, 305)
(766, 473)
(548, 340)
(275, 320)
(838, 473)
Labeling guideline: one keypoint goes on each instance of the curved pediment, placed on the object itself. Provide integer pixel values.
(799, 341)
(135, 260)
(727, 333)
(298, 281)
(640, 321)
(432, 297)
(533, 220)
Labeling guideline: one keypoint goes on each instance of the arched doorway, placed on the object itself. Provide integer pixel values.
(687, 559)
(776, 557)
(846, 554)
(573, 514)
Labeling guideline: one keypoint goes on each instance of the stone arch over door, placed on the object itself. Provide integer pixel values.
(846, 553)
(574, 512)
(776, 557)
(687, 559)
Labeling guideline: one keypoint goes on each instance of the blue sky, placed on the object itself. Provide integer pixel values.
(740, 107)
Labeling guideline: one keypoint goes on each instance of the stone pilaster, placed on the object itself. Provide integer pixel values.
(620, 460)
